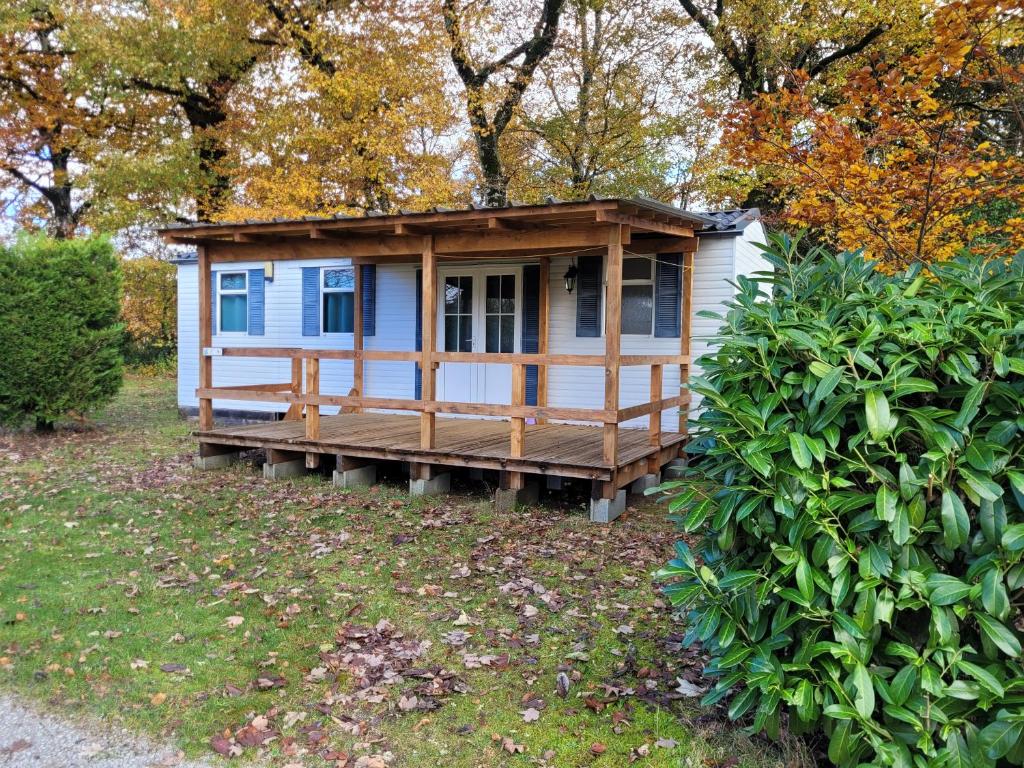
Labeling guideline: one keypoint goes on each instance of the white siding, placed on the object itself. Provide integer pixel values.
(396, 307)
(578, 387)
(749, 257)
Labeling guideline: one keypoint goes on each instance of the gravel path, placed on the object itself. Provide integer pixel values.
(30, 738)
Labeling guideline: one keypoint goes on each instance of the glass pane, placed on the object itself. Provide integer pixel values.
(339, 312)
(466, 295)
(636, 269)
(345, 279)
(493, 294)
(637, 309)
(234, 281)
(451, 333)
(233, 313)
(451, 295)
(508, 293)
(493, 341)
(465, 333)
(508, 333)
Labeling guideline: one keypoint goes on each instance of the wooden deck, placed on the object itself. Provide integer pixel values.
(564, 450)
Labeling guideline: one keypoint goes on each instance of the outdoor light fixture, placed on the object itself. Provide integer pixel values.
(570, 277)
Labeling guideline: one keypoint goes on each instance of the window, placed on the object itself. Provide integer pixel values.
(637, 296)
(234, 302)
(458, 313)
(500, 313)
(338, 289)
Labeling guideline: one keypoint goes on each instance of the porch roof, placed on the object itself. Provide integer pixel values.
(459, 227)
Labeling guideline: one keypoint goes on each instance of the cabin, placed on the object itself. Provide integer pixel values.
(536, 342)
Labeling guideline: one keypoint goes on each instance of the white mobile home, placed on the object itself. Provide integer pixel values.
(521, 291)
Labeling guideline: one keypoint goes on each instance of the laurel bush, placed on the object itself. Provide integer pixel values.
(856, 492)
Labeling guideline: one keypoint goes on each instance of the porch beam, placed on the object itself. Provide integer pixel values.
(642, 222)
(612, 339)
(543, 322)
(429, 329)
(357, 337)
(205, 338)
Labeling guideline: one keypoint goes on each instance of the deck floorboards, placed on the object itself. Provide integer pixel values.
(567, 449)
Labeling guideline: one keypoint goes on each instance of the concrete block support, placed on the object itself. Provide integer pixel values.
(675, 467)
(284, 469)
(606, 510)
(360, 477)
(641, 484)
(507, 499)
(439, 483)
(217, 461)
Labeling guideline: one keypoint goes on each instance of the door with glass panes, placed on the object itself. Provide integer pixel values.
(478, 311)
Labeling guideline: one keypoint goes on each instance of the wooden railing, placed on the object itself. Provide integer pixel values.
(303, 393)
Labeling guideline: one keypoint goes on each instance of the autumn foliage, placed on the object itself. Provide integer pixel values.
(149, 308)
(902, 158)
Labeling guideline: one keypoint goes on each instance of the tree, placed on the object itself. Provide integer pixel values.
(57, 115)
(613, 113)
(763, 45)
(903, 165)
(191, 56)
(363, 123)
(520, 63)
(149, 307)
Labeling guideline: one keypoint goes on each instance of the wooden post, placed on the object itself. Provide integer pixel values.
(518, 443)
(543, 320)
(685, 332)
(294, 412)
(312, 388)
(357, 338)
(612, 340)
(654, 424)
(205, 338)
(429, 340)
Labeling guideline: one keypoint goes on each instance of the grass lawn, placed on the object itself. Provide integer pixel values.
(292, 623)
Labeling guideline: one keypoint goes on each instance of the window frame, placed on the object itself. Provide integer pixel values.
(324, 291)
(514, 315)
(221, 292)
(650, 281)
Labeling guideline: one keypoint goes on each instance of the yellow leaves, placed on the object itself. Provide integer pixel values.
(157, 699)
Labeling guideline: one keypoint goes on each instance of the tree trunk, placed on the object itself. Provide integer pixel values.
(64, 222)
(495, 182)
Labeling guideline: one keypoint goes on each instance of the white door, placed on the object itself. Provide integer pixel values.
(480, 308)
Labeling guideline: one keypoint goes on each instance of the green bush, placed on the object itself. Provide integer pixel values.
(858, 484)
(60, 337)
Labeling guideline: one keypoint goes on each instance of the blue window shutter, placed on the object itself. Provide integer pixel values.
(257, 302)
(668, 296)
(311, 301)
(588, 296)
(531, 326)
(418, 376)
(214, 277)
(369, 280)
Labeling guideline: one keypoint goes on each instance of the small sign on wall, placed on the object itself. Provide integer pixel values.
(213, 351)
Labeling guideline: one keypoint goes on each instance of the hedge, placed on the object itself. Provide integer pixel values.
(856, 489)
(60, 336)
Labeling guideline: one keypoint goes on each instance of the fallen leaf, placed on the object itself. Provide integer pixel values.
(234, 621)
(530, 715)
(157, 699)
(666, 743)
(598, 748)
(511, 747)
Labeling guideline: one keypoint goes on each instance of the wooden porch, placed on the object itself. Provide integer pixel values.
(519, 438)
(562, 450)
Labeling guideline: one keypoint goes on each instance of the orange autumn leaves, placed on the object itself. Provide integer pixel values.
(901, 164)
